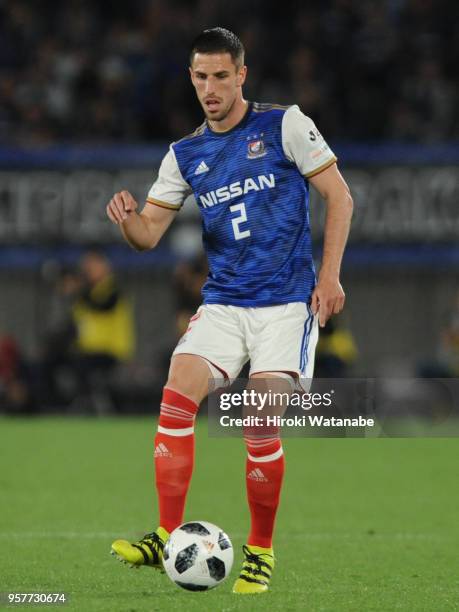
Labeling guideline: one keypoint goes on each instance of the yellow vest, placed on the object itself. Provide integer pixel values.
(105, 331)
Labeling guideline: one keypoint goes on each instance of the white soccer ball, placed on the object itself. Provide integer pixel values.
(198, 556)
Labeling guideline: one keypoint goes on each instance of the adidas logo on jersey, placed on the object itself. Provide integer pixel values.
(257, 475)
(162, 451)
(203, 167)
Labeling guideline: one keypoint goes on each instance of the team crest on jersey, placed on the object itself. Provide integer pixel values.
(256, 147)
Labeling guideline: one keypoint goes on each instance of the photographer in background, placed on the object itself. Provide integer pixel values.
(104, 331)
(89, 332)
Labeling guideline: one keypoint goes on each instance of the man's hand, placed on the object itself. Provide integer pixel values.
(121, 206)
(142, 231)
(327, 298)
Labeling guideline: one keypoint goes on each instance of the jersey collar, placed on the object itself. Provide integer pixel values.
(235, 127)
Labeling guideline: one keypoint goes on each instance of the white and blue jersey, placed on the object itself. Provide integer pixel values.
(251, 186)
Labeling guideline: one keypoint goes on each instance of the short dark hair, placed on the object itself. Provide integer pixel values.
(219, 40)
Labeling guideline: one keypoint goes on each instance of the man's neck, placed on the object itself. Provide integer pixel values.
(235, 115)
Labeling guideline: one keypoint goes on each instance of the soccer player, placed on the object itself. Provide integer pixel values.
(249, 166)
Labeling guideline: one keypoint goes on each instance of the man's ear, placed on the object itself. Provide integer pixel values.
(241, 76)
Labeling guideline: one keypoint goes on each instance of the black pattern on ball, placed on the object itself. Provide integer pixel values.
(216, 568)
(186, 558)
(192, 587)
(223, 541)
(196, 528)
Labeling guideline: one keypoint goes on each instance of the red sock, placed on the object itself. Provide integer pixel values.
(264, 475)
(174, 456)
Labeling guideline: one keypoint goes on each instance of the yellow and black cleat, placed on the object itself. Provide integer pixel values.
(147, 551)
(256, 571)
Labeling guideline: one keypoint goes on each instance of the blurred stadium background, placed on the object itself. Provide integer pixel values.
(90, 98)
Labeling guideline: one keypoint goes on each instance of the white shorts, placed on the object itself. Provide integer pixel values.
(275, 339)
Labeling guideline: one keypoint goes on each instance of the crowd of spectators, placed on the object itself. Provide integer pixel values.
(88, 70)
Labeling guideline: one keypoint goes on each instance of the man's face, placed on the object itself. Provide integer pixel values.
(217, 81)
(94, 268)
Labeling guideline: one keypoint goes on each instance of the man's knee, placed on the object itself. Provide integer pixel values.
(189, 375)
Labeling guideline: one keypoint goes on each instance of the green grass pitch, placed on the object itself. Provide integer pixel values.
(364, 524)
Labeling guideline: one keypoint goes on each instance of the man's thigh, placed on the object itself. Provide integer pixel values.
(215, 333)
(286, 342)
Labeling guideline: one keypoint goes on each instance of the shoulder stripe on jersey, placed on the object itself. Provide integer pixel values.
(162, 204)
(321, 168)
(198, 131)
(262, 107)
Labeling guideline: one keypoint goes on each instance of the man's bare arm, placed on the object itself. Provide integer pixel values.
(142, 231)
(328, 296)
